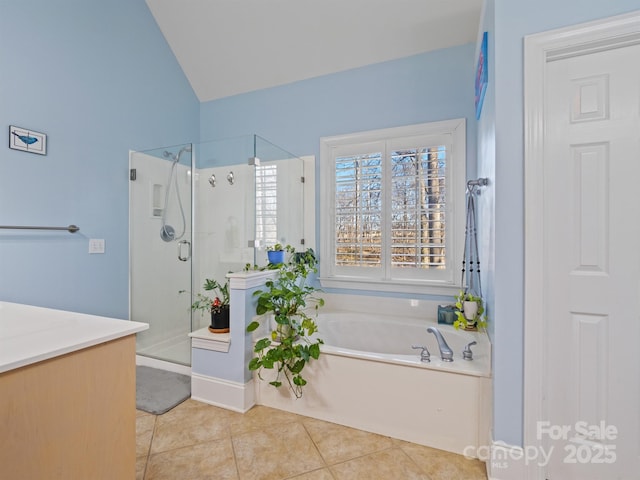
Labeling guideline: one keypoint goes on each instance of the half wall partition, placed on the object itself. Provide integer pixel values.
(200, 211)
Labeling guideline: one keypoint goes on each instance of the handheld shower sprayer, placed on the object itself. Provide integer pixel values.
(167, 232)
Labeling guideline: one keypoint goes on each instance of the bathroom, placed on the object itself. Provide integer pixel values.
(109, 83)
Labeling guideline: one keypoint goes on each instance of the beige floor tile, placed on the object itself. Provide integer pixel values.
(322, 474)
(188, 424)
(441, 465)
(141, 465)
(338, 443)
(205, 461)
(190, 408)
(198, 441)
(260, 417)
(391, 464)
(144, 433)
(276, 453)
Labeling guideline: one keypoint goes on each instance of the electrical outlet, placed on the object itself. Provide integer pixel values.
(96, 245)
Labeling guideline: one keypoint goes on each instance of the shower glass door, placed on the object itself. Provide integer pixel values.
(279, 199)
(248, 196)
(160, 236)
(223, 193)
(198, 212)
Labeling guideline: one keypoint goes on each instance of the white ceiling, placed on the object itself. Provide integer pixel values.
(227, 47)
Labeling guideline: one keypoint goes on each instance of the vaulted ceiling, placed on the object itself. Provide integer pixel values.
(227, 47)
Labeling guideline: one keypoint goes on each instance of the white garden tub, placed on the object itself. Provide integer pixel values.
(368, 377)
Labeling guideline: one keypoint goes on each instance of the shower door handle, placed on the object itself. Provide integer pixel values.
(181, 244)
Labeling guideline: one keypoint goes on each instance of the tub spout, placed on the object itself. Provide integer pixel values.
(446, 354)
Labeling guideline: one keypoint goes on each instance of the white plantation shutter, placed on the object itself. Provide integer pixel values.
(393, 201)
(418, 207)
(358, 180)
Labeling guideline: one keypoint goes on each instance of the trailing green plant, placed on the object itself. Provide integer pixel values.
(461, 321)
(289, 298)
(277, 248)
(209, 304)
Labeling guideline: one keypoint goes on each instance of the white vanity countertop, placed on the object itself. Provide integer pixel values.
(31, 334)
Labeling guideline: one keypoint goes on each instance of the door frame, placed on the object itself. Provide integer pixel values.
(582, 39)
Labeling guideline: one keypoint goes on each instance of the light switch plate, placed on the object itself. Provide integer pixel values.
(96, 245)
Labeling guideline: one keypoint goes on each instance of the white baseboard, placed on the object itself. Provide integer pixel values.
(162, 365)
(239, 397)
(506, 462)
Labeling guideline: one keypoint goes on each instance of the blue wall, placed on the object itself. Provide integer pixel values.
(422, 88)
(99, 79)
(427, 87)
(512, 20)
(486, 131)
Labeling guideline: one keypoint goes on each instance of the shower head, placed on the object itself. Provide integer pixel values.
(186, 148)
(176, 158)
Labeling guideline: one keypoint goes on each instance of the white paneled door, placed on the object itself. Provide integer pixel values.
(591, 269)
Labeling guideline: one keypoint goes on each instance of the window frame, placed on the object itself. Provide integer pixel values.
(429, 281)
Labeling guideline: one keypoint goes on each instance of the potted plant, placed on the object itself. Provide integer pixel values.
(469, 312)
(275, 254)
(289, 346)
(218, 306)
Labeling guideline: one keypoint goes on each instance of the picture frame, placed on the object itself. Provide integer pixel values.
(482, 75)
(27, 140)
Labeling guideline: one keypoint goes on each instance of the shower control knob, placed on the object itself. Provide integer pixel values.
(425, 356)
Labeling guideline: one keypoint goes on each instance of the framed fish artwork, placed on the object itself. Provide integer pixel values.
(482, 75)
(27, 140)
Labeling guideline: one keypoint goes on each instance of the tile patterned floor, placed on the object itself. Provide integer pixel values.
(196, 441)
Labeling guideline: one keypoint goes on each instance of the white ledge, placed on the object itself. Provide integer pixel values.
(251, 279)
(406, 286)
(203, 338)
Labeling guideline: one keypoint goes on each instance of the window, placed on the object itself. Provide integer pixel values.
(392, 208)
(266, 205)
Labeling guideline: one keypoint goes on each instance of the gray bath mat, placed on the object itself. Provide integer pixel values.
(158, 391)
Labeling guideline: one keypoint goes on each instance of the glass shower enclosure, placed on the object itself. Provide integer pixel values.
(199, 211)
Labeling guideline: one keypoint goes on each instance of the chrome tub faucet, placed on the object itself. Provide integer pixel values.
(446, 354)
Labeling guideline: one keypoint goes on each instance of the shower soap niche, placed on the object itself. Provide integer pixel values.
(157, 200)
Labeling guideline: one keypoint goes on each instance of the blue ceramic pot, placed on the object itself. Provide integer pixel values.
(276, 257)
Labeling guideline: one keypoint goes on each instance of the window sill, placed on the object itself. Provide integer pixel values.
(397, 286)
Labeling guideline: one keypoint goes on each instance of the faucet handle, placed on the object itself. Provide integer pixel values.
(467, 354)
(425, 356)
